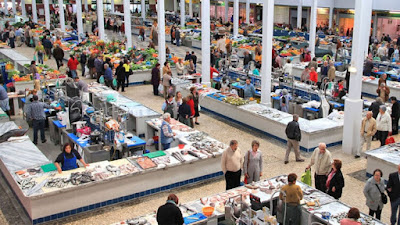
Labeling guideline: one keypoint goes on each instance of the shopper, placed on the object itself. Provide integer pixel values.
(352, 217)
(11, 38)
(191, 68)
(313, 76)
(177, 102)
(39, 49)
(368, 130)
(231, 163)
(195, 94)
(194, 58)
(383, 125)
(395, 115)
(314, 64)
(166, 83)
(168, 106)
(36, 114)
(90, 65)
(192, 110)
(177, 36)
(331, 72)
(98, 64)
(68, 158)
(393, 189)
(284, 101)
(383, 91)
(287, 68)
(374, 108)
(305, 75)
(47, 46)
(180, 67)
(247, 59)
(293, 134)
(58, 54)
(253, 163)
(324, 70)
(120, 72)
(248, 90)
(170, 214)
(83, 60)
(373, 190)
(155, 78)
(292, 199)
(4, 100)
(322, 160)
(73, 66)
(166, 134)
(185, 112)
(108, 76)
(335, 181)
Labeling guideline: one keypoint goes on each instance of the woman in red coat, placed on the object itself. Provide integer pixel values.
(191, 104)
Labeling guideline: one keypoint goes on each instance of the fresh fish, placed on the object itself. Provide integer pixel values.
(12, 133)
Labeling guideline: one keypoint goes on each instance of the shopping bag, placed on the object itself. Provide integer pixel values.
(45, 58)
(34, 58)
(306, 177)
(389, 140)
(114, 82)
(245, 180)
(160, 88)
(101, 79)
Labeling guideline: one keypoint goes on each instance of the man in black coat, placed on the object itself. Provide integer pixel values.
(155, 78)
(293, 134)
(120, 72)
(83, 60)
(58, 54)
(375, 107)
(395, 115)
(170, 214)
(47, 46)
(393, 189)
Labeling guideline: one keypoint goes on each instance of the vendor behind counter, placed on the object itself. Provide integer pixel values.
(67, 159)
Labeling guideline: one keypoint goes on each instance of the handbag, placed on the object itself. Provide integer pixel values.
(383, 196)
(248, 160)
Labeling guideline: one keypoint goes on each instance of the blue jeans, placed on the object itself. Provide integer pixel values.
(73, 73)
(395, 210)
(40, 58)
(166, 146)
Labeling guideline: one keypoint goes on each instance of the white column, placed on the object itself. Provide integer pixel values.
(14, 10)
(182, 5)
(175, 6)
(266, 68)
(313, 26)
(375, 27)
(86, 7)
(23, 8)
(353, 105)
(226, 10)
(299, 13)
(34, 12)
(100, 19)
(330, 17)
(161, 32)
(127, 22)
(5, 7)
(79, 17)
(47, 13)
(112, 6)
(248, 12)
(61, 14)
(191, 9)
(235, 18)
(143, 7)
(205, 41)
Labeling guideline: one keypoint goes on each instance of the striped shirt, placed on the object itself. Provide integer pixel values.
(36, 110)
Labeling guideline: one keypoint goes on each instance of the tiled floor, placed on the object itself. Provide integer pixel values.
(273, 154)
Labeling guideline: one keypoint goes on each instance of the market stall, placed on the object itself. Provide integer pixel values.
(386, 158)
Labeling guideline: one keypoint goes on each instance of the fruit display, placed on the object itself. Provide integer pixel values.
(235, 100)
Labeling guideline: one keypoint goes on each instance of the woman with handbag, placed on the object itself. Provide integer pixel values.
(253, 163)
(374, 193)
(335, 181)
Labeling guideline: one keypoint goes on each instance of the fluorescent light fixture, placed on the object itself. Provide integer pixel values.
(352, 69)
(394, 12)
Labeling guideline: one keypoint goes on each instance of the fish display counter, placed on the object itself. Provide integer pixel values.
(316, 206)
(386, 158)
(113, 102)
(270, 121)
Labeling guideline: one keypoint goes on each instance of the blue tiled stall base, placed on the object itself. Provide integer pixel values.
(265, 133)
(126, 198)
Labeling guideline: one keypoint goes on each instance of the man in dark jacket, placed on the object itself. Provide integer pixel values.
(90, 65)
(47, 46)
(395, 115)
(368, 66)
(120, 72)
(375, 107)
(247, 59)
(293, 134)
(170, 214)
(393, 189)
(98, 64)
(58, 54)
(83, 60)
(155, 78)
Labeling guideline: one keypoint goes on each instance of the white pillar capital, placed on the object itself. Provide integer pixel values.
(143, 7)
(299, 14)
(61, 14)
(100, 19)
(235, 18)
(313, 27)
(127, 24)
(182, 5)
(79, 18)
(34, 12)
